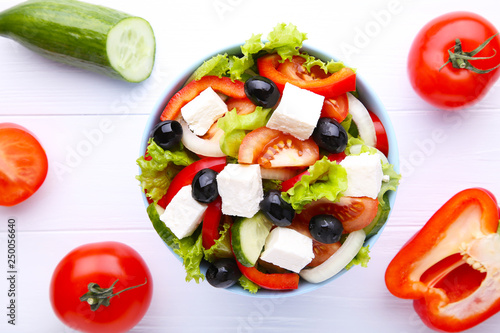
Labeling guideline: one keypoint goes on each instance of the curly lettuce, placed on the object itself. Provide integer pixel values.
(159, 167)
(326, 179)
(361, 258)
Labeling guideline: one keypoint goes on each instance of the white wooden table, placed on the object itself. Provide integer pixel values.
(90, 193)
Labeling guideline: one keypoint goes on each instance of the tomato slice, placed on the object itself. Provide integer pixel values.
(211, 220)
(336, 107)
(186, 175)
(273, 281)
(355, 213)
(274, 149)
(23, 164)
(219, 84)
(288, 184)
(321, 251)
(382, 141)
(328, 85)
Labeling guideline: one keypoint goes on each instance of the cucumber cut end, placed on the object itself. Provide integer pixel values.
(131, 49)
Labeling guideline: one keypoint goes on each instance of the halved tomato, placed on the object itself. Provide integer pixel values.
(23, 164)
(321, 251)
(274, 149)
(354, 213)
(336, 107)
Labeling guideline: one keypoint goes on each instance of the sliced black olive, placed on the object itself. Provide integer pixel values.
(330, 135)
(326, 229)
(167, 134)
(277, 210)
(262, 91)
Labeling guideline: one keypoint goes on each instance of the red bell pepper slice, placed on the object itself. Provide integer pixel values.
(451, 267)
(286, 281)
(186, 175)
(210, 228)
(223, 85)
(332, 86)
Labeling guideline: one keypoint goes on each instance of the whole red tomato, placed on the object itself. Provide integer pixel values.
(449, 87)
(102, 264)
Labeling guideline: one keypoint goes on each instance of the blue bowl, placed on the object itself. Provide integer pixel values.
(366, 95)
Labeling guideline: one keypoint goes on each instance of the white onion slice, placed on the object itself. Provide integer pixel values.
(356, 150)
(363, 121)
(209, 148)
(338, 260)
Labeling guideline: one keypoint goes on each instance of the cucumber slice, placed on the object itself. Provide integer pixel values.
(83, 35)
(338, 260)
(248, 236)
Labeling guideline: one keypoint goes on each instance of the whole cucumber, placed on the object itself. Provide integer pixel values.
(84, 35)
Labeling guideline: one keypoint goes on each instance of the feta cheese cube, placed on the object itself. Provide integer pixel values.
(240, 188)
(364, 175)
(288, 249)
(297, 113)
(183, 214)
(201, 112)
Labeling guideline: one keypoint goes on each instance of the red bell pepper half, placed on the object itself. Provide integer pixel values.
(451, 267)
(224, 85)
(332, 86)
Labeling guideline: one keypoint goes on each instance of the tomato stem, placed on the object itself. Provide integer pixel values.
(460, 59)
(97, 296)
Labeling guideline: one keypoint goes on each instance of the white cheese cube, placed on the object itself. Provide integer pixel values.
(364, 175)
(288, 249)
(183, 214)
(240, 188)
(201, 112)
(297, 113)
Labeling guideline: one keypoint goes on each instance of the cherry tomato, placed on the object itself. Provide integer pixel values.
(382, 141)
(274, 149)
(101, 263)
(23, 164)
(354, 213)
(449, 87)
(336, 107)
(186, 175)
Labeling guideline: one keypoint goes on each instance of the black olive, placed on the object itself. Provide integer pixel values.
(205, 186)
(330, 135)
(326, 229)
(277, 210)
(262, 91)
(223, 273)
(167, 134)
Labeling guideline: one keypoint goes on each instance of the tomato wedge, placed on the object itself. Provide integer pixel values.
(273, 281)
(23, 164)
(274, 149)
(328, 85)
(354, 213)
(321, 251)
(186, 175)
(382, 141)
(219, 84)
(336, 107)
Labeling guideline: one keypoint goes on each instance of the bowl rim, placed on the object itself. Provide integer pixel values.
(366, 94)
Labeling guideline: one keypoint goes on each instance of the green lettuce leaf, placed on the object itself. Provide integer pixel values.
(326, 179)
(190, 249)
(391, 185)
(331, 66)
(248, 285)
(361, 258)
(222, 246)
(236, 126)
(158, 172)
(217, 66)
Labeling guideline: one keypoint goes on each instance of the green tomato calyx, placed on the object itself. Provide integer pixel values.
(461, 60)
(97, 296)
